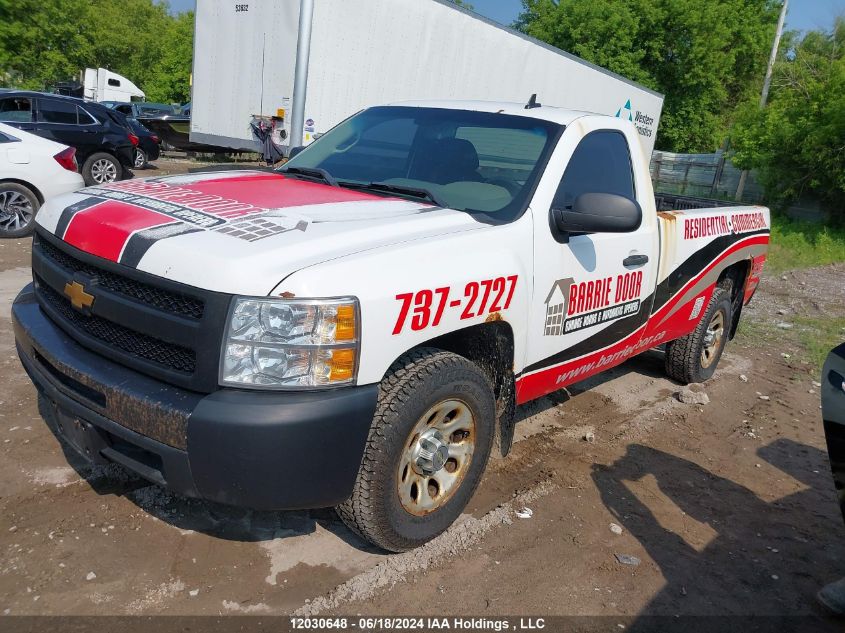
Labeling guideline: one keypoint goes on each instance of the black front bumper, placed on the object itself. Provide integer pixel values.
(262, 450)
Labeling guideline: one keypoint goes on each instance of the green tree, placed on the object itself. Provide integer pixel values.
(42, 41)
(705, 57)
(797, 142)
(46, 41)
(170, 77)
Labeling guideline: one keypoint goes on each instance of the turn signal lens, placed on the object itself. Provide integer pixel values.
(341, 365)
(345, 323)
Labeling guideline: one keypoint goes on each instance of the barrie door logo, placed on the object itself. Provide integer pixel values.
(641, 120)
(557, 303)
(573, 306)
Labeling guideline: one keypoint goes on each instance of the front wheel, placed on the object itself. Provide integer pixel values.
(694, 357)
(428, 445)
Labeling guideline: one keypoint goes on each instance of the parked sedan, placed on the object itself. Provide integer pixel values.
(103, 141)
(32, 170)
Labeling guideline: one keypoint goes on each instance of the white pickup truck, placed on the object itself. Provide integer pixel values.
(356, 329)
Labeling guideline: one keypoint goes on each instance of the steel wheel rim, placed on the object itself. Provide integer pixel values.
(103, 171)
(713, 339)
(450, 426)
(16, 210)
(140, 158)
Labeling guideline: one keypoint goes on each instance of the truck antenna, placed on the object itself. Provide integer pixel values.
(532, 102)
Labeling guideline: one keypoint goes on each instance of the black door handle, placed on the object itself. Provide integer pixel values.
(635, 260)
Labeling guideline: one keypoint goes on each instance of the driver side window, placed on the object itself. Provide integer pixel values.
(600, 164)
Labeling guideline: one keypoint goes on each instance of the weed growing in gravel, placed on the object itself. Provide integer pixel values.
(810, 340)
(819, 336)
(803, 245)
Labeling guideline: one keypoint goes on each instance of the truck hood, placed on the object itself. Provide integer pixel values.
(238, 232)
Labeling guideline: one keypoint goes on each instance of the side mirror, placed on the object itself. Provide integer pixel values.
(599, 213)
(295, 150)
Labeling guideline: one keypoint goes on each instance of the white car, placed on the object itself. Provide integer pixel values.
(32, 170)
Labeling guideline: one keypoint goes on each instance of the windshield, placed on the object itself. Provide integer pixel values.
(471, 161)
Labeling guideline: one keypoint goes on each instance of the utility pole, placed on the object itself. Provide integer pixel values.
(300, 77)
(767, 82)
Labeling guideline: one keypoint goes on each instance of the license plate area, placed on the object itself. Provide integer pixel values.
(83, 436)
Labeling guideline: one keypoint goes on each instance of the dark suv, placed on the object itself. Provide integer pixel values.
(105, 146)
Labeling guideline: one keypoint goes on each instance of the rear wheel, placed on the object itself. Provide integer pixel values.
(101, 169)
(694, 357)
(18, 206)
(428, 445)
(140, 161)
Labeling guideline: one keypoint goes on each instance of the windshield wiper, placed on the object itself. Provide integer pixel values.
(414, 192)
(312, 172)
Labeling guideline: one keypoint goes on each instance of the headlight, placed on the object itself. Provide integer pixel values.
(289, 343)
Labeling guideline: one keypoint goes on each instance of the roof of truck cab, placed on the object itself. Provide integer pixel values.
(547, 113)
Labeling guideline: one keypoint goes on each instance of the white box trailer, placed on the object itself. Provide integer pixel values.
(373, 52)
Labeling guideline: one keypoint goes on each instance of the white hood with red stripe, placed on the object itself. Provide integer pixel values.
(237, 231)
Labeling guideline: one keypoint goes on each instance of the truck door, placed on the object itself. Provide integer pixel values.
(593, 292)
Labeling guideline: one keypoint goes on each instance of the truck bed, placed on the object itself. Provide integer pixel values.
(677, 202)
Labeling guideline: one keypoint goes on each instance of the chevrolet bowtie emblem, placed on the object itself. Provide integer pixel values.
(79, 299)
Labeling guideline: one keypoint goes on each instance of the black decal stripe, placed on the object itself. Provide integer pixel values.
(695, 263)
(613, 333)
(72, 210)
(139, 243)
(665, 291)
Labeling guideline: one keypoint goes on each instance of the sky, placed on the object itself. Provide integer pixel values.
(803, 15)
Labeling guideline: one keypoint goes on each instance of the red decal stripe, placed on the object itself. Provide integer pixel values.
(744, 243)
(104, 230)
(544, 381)
(241, 196)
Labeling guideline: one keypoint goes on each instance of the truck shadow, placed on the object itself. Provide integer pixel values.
(194, 515)
(723, 549)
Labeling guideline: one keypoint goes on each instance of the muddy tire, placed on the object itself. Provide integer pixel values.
(101, 169)
(427, 448)
(694, 357)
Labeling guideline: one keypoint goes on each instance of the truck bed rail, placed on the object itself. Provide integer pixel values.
(675, 202)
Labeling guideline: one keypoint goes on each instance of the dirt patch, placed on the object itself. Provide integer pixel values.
(15, 254)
